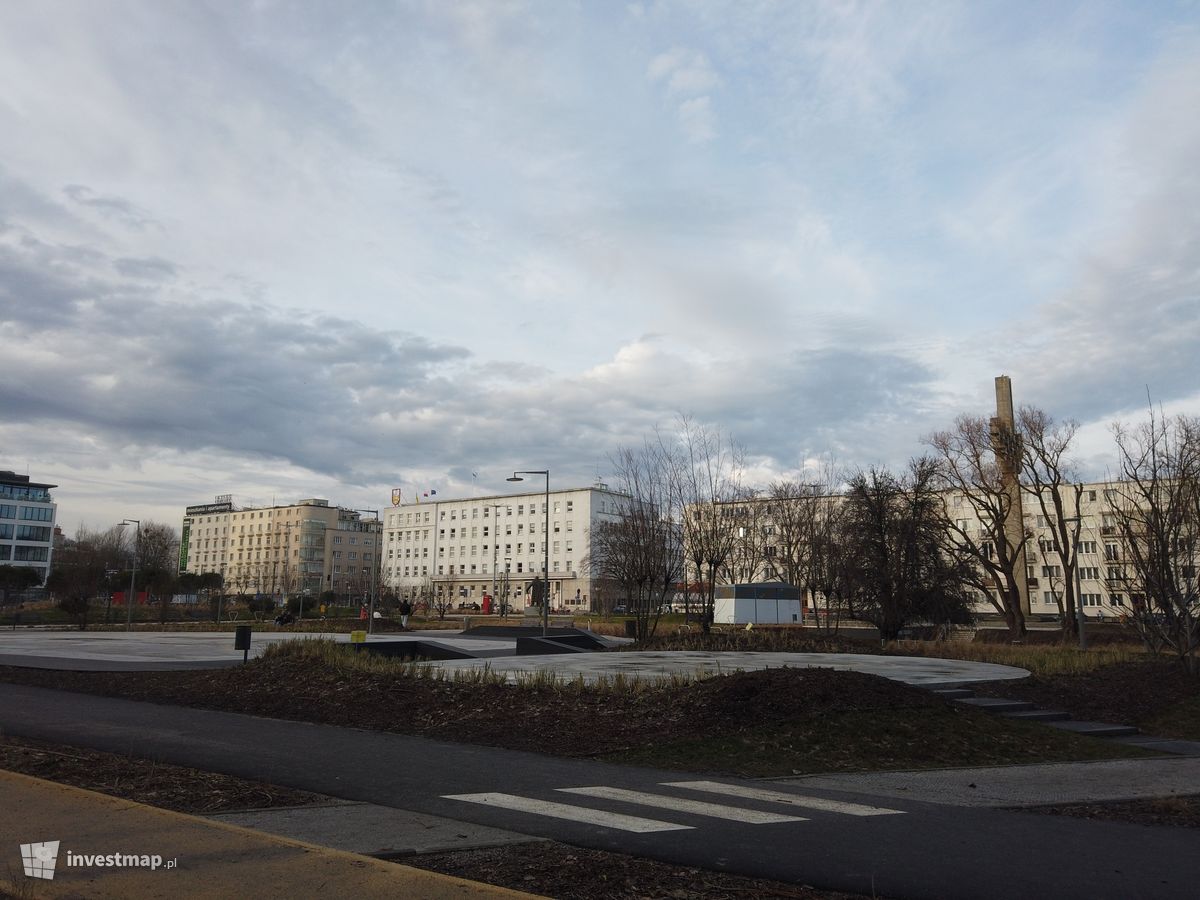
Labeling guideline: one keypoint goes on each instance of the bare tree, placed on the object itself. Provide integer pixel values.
(748, 555)
(158, 563)
(1154, 512)
(443, 593)
(969, 468)
(81, 570)
(793, 513)
(707, 473)
(641, 551)
(898, 570)
(1050, 477)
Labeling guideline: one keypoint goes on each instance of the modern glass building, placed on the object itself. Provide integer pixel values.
(27, 514)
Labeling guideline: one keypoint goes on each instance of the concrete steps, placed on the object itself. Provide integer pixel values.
(1038, 715)
(1021, 709)
(1095, 729)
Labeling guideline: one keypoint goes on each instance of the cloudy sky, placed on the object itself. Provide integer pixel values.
(284, 250)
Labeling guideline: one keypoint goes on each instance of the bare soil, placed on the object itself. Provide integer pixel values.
(155, 784)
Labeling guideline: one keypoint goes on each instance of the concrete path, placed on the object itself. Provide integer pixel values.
(372, 830)
(185, 856)
(1036, 785)
(147, 651)
(113, 651)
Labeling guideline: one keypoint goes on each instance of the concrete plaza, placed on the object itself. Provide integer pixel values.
(151, 651)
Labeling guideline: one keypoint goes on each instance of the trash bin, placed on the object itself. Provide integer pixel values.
(241, 641)
(631, 628)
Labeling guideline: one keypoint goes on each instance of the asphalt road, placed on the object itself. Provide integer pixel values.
(904, 849)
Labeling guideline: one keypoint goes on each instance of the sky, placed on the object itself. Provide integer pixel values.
(283, 250)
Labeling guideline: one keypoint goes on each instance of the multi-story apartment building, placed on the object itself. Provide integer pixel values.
(27, 514)
(306, 547)
(462, 549)
(759, 552)
(1101, 590)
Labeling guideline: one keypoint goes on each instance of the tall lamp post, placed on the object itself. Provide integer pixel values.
(137, 545)
(516, 476)
(375, 554)
(495, 547)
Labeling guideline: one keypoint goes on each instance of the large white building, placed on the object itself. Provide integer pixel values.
(1102, 576)
(26, 523)
(462, 549)
(307, 547)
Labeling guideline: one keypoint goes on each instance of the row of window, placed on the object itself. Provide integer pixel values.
(473, 569)
(22, 492)
(26, 533)
(419, 516)
(1053, 597)
(27, 513)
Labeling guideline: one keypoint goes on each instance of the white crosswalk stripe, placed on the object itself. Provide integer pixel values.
(641, 825)
(817, 803)
(635, 824)
(681, 804)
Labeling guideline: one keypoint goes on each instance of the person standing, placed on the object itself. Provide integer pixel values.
(405, 609)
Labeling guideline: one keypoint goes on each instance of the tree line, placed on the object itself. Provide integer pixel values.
(923, 544)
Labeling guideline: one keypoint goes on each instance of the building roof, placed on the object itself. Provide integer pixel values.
(13, 478)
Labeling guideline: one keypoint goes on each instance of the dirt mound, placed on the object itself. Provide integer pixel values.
(788, 694)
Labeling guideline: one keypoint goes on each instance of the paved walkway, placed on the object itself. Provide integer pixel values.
(197, 858)
(1037, 785)
(122, 651)
(157, 650)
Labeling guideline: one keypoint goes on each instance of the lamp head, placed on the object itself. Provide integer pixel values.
(515, 478)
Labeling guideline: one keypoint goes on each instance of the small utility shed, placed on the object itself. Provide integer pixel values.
(764, 603)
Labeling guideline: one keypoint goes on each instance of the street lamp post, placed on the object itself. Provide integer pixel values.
(495, 548)
(516, 476)
(375, 554)
(137, 545)
(505, 585)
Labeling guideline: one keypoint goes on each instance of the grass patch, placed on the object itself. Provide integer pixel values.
(875, 740)
(1180, 720)
(1038, 659)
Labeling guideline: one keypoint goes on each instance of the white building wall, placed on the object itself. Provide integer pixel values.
(466, 545)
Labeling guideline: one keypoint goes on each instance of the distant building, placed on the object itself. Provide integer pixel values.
(26, 523)
(764, 547)
(306, 547)
(461, 549)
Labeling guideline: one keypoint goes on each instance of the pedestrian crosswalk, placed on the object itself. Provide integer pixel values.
(672, 802)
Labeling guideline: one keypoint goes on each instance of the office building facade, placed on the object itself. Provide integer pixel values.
(27, 513)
